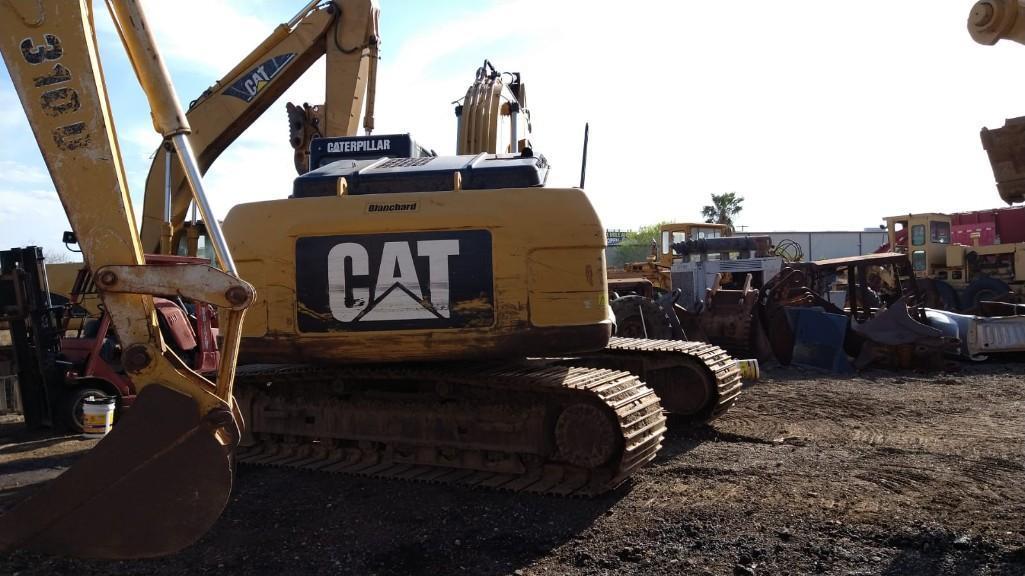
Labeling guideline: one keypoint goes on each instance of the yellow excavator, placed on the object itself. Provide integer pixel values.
(414, 316)
(343, 32)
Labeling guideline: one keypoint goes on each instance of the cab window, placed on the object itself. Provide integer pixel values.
(899, 238)
(665, 242)
(699, 233)
(918, 235)
(204, 249)
(918, 260)
(939, 232)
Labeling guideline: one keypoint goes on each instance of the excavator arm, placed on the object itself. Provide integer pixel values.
(493, 116)
(993, 20)
(989, 22)
(168, 461)
(346, 31)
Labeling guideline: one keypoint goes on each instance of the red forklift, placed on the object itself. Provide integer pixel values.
(63, 354)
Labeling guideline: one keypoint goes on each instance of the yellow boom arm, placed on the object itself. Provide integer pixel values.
(168, 460)
(345, 30)
(993, 20)
(493, 116)
(989, 22)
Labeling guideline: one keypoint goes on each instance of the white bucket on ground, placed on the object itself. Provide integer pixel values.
(97, 416)
(749, 369)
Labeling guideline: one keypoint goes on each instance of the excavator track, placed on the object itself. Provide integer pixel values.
(530, 426)
(697, 382)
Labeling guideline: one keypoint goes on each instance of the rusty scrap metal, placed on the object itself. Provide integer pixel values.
(894, 337)
(729, 318)
(898, 335)
(789, 288)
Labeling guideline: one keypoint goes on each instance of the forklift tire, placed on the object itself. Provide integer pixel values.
(938, 294)
(948, 296)
(72, 407)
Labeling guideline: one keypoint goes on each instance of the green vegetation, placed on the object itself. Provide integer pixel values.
(635, 246)
(723, 209)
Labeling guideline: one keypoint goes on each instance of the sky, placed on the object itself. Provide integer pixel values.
(822, 115)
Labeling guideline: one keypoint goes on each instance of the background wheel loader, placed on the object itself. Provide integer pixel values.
(397, 300)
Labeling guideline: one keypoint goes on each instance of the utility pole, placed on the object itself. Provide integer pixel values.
(583, 161)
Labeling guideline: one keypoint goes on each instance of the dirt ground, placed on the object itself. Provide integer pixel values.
(882, 473)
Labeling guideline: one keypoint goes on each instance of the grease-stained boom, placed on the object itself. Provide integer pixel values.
(49, 47)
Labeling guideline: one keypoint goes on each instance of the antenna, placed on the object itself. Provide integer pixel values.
(583, 161)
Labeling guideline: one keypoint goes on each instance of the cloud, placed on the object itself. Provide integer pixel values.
(31, 217)
(18, 173)
(801, 117)
(11, 114)
(206, 35)
(456, 37)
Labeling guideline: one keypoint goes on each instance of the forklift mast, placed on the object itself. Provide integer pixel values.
(26, 307)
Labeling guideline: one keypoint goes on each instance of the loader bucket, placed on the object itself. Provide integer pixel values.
(153, 486)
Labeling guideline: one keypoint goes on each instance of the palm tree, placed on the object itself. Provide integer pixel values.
(723, 208)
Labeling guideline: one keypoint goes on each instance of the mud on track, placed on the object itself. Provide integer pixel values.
(883, 473)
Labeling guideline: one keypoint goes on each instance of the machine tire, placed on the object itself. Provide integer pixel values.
(948, 296)
(71, 406)
(938, 294)
(640, 317)
(981, 289)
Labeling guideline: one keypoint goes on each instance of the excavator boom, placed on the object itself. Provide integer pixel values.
(346, 31)
(993, 20)
(989, 22)
(493, 116)
(168, 462)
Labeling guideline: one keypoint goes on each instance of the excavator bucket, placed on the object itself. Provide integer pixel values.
(104, 506)
(152, 487)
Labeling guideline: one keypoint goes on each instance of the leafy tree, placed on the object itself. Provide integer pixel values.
(634, 247)
(644, 235)
(723, 209)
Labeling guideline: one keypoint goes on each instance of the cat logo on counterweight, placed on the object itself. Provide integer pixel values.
(395, 281)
